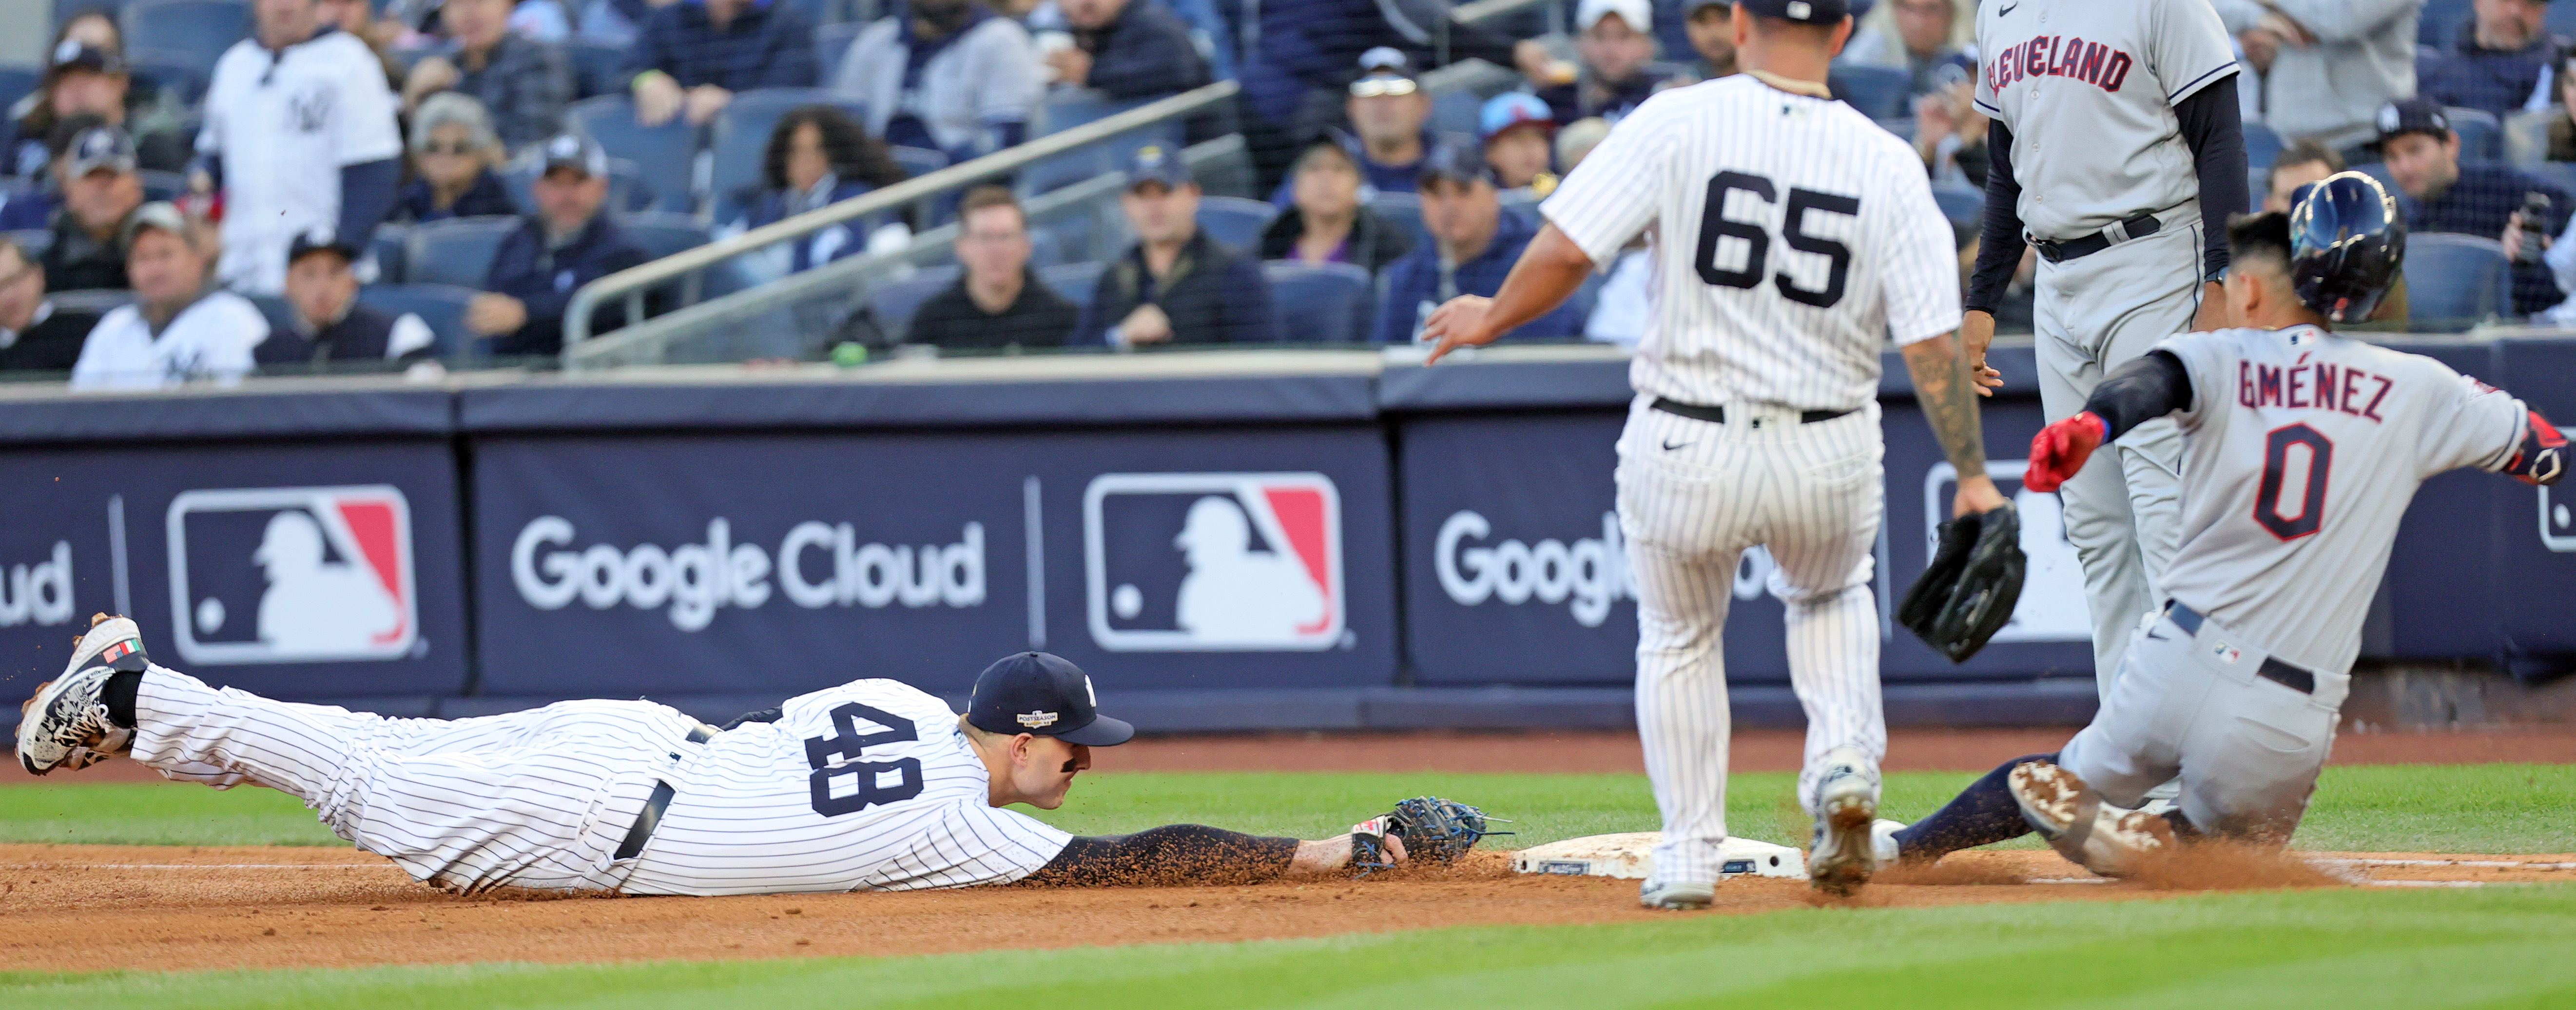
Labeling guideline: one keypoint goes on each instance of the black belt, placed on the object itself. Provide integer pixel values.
(2140, 226)
(660, 801)
(1717, 415)
(2272, 669)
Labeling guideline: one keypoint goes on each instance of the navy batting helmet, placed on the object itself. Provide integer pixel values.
(2346, 245)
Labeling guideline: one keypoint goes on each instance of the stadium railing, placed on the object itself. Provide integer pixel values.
(651, 341)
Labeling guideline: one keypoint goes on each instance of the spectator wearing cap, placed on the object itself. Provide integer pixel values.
(1928, 39)
(328, 323)
(1520, 143)
(1710, 26)
(1175, 285)
(299, 134)
(101, 190)
(999, 302)
(1294, 78)
(694, 55)
(454, 155)
(817, 157)
(36, 335)
(2439, 194)
(91, 80)
(2326, 66)
(179, 328)
(2500, 65)
(521, 81)
(33, 206)
(946, 75)
(566, 243)
(1473, 246)
(1614, 45)
(1389, 137)
(1127, 49)
(1327, 223)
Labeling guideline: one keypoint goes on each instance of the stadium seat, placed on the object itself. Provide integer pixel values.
(1901, 127)
(1045, 248)
(1075, 281)
(64, 9)
(1959, 203)
(2556, 173)
(831, 42)
(2481, 137)
(1878, 92)
(740, 134)
(273, 308)
(1458, 111)
(1404, 209)
(2560, 22)
(662, 233)
(666, 154)
(2261, 145)
(2441, 21)
(1588, 294)
(1075, 235)
(1064, 113)
(456, 251)
(197, 30)
(595, 68)
(918, 161)
(892, 303)
(172, 73)
(33, 242)
(16, 83)
(442, 306)
(1236, 221)
(390, 245)
(1324, 303)
(2455, 280)
(2379, 170)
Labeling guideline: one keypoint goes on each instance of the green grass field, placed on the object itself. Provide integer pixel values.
(2351, 950)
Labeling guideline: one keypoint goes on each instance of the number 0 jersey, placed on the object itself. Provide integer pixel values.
(1790, 236)
(868, 786)
(2301, 451)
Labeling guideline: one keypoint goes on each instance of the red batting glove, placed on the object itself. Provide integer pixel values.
(2061, 449)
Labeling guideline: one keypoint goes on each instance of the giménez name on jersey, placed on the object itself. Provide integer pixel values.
(818, 565)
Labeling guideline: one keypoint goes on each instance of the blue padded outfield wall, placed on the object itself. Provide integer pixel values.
(1313, 540)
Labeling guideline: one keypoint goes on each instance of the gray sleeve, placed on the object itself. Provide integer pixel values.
(2466, 422)
(1013, 79)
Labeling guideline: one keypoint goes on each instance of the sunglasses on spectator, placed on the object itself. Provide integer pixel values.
(459, 149)
(1389, 87)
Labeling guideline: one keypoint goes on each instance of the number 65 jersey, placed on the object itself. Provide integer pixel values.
(867, 786)
(1791, 237)
(2301, 450)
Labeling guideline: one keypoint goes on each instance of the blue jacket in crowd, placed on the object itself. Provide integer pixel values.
(2478, 204)
(767, 45)
(2492, 80)
(545, 278)
(826, 245)
(1312, 44)
(1145, 52)
(1216, 294)
(1413, 286)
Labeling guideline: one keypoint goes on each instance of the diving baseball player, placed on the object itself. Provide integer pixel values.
(2301, 450)
(1791, 236)
(868, 786)
(2118, 151)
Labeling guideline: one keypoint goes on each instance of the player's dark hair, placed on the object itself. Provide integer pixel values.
(2264, 236)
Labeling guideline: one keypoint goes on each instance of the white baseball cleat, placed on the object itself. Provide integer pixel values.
(66, 723)
(1846, 847)
(2105, 839)
(1676, 895)
(1882, 841)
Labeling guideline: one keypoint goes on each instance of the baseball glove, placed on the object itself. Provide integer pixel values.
(1969, 591)
(1432, 828)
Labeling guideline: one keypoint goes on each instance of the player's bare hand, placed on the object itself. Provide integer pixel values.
(1459, 323)
(1977, 494)
(1976, 333)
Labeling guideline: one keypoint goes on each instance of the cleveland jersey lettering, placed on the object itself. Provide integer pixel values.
(2301, 452)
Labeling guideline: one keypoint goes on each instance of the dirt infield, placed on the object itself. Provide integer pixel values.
(98, 907)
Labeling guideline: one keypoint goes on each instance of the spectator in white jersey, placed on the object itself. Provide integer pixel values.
(299, 134)
(179, 328)
(774, 802)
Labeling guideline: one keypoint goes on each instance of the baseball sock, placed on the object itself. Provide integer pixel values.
(1982, 814)
(118, 696)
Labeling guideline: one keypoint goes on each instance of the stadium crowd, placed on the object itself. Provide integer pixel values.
(201, 189)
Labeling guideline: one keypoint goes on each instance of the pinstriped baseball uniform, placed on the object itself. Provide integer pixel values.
(2301, 452)
(2087, 89)
(1791, 237)
(865, 786)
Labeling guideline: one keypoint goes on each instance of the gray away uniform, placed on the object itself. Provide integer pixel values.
(2301, 450)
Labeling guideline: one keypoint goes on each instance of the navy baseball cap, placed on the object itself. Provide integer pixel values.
(576, 152)
(1455, 162)
(73, 54)
(1040, 693)
(1805, 12)
(1153, 163)
(319, 240)
(2412, 115)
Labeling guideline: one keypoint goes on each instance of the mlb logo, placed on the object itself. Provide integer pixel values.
(1213, 562)
(292, 575)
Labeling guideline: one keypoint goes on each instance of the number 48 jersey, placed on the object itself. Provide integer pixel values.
(1791, 235)
(867, 786)
(2301, 451)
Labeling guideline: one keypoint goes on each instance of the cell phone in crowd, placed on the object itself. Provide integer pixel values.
(2535, 224)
